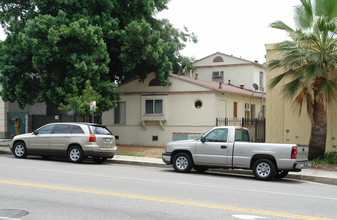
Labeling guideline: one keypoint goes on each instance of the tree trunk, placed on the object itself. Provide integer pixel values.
(318, 131)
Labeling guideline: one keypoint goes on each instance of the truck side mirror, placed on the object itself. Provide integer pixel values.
(203, 139)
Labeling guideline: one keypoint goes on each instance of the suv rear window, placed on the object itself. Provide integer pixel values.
(100, 130)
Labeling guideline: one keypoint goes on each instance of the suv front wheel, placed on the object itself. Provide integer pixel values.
(20, 150)
(75, 154)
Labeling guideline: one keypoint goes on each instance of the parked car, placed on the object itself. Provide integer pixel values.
(74, 140)
(230, 147)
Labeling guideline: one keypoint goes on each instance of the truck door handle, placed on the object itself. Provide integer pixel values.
(223, 147)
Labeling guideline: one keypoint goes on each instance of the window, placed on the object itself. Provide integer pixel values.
(253, 111)
(61, 129)
(261, 79)
(217, 76)
(235, 110)
(242, 135)
(100, 130)
(218, 135)
(74, 129)
(198, 104)
(217, 59)
(120, 113)
(46, 130)
(154, 82)
(153, 106)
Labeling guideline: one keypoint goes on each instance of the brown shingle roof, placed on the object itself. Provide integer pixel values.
(216, 86)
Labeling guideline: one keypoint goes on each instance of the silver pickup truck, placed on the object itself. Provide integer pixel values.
(230, 147)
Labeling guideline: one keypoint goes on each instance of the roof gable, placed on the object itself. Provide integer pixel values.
(218, 58)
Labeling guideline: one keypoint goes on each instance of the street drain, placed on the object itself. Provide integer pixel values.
(13, 213)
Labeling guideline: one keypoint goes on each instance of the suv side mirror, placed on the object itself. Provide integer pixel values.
(203, 139)
(35, 132)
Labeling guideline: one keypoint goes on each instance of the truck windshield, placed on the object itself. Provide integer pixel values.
(242, 135)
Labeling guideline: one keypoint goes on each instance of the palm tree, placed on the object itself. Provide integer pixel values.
(309, 59)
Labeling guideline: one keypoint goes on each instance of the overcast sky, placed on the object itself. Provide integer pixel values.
(234, 27)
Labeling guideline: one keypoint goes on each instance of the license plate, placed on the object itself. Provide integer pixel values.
(108, 140)
(307, 165)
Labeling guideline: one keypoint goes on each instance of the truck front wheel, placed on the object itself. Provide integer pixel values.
(264, 169)
(182, 162)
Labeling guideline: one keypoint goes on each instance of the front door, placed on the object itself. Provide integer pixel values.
(213, 150)
(39, 143)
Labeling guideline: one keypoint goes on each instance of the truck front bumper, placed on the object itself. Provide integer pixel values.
(166, 157)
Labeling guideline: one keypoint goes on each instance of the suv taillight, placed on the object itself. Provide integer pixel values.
(294, 153)
(92, 138)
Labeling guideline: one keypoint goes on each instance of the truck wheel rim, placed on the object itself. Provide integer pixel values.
(19, 150)
(263, 169)
(74, 154)
(181, 163)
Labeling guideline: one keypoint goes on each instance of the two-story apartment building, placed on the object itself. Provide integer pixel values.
(219, 67)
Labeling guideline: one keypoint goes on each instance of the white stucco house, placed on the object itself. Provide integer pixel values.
(220, 67)
(151, 115)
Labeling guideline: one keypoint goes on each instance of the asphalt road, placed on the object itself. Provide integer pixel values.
(37, 189)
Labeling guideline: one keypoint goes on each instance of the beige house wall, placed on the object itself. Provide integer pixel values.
(180, 113)
(283, 122)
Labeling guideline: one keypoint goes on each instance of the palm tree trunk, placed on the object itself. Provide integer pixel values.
(318, 131)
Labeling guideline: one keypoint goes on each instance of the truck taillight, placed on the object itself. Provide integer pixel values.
(92, 138)
(294, 153)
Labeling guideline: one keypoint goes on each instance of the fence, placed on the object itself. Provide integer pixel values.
(36, 121)
(256, 127)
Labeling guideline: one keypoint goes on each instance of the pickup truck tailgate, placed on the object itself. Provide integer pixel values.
(302, 153)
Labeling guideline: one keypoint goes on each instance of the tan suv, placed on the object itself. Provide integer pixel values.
(74, 140)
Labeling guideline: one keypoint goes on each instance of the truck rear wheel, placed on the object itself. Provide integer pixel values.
(264, 169)
(182, 162)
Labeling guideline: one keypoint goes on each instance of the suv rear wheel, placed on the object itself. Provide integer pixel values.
(75, 154)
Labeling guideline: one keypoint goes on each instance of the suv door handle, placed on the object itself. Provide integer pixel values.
(223, 147)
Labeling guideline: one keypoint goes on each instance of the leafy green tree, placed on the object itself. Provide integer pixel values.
(55, 46)
(309, 61)
(80, 100)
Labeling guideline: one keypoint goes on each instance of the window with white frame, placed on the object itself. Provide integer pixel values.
(153, 106)
(120, 113)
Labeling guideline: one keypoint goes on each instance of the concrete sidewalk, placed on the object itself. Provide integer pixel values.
(312, 175)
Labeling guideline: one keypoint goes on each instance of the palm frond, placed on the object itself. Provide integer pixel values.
(304, 97)
(281, 25)
(327, 8)
(304, 16)
(291, 88)
(328, 91)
